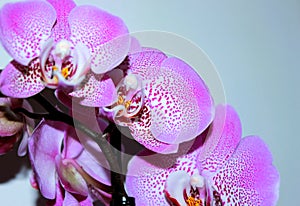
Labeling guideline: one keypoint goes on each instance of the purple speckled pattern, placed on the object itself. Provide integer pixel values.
(177, 104)
(248, 178)
(239, 170)
(148, 183)
(140, 130)
(93, 26)
(222, 140)
(97, 91)
(21, 81)
(148, 173)
(62, 27)
(104, 34)
(147, 62)
(140, 63)
(25, 26)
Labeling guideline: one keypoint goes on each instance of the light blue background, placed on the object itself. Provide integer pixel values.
(255, 47)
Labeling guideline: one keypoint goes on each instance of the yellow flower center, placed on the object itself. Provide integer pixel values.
(65, 72)
(191, 201)
(121, 101)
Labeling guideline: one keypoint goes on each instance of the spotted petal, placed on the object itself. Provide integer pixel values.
(223, 137)
(248, 178)
(63, 8)
(147, 174)
(140, 130)
(180, 103)
(19, 81)
(97, 91)
(148, 183)
(104, 34)
(140, 63)
(25, 27)
(147, 62)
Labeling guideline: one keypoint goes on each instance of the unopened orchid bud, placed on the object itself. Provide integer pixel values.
(10, 125)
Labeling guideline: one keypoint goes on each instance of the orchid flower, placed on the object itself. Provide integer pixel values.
(56, 43)
(162, 100)
(63, 171)
(223, 170)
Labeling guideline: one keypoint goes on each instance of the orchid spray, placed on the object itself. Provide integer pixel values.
(102, 93)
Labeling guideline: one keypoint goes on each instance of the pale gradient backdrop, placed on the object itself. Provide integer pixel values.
(255, 46)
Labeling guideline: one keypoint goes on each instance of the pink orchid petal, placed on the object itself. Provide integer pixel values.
(93, 168)
(104, 34)
(147, 174)
(147, 62)
(140, 130)
(19, 81)
(194, 105)
(70, 178)
(181, 105)
(223, 137)
(25, 27)
(70, 200)
(59, 198)
(44, 145)
(22, 150)
(86, 202)
(135, 46)
(63, 8)
(98, 91)
(28, 128)
(30, 123)
(110, 54)
(250, 172)
(146, 182)
(72, 147)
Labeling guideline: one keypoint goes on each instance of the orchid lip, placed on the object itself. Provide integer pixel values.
(130, 100)
(196, 190)
(193, 197)
(62, 64)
